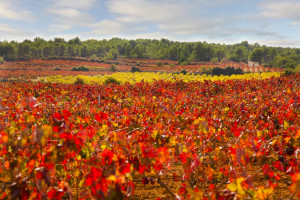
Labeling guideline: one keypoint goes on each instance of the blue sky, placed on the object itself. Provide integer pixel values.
(269, 22)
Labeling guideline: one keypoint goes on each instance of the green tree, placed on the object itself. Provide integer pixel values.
(100, 50)
(23, 50)
(202, 52)
(75, 41)
(268, 54)
(113, 54)
(72, 50)
(8, 50)
(184, 52)
(39, 42)
(256, 55)
(173, 53)
(58, 41)
(220, 54)
(48, 50)
(62, 49)
(128, 50)
(140, 51)
(84, 51)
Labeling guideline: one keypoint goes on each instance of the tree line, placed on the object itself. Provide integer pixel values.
(183, 52)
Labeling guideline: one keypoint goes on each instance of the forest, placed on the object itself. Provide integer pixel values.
(183, 52)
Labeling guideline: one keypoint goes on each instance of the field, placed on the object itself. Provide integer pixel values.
(153, 136)
(40, 68)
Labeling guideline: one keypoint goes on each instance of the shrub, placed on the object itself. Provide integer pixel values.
(224, 60)
(111, 80)
(113, 68)
(209, 70)
(107, 62)
(204, 69)
(159, 64)
(228, 71)
(214, 60)
(135, 69)
(81, 68)
(79, 81)
(217, 71)
(265, 65)
(288, 72)
(239, 71)
(184, 72)
(57, 69)
(1, 60)
(93, 57)
(184, 63)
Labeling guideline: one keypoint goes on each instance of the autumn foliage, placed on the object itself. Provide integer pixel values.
(39, 68)
(217, 140)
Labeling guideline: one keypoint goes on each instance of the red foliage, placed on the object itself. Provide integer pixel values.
(51, 143)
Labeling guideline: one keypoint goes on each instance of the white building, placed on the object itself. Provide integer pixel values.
(253, 64)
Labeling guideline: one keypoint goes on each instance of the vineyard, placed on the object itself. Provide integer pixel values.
(154, 136)
(39, 68)
(149, 77)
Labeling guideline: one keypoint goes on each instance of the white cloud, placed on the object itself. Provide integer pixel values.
(193, 26)
(215, 2)
(149, 11)
(6, 29)
(77, 4)
(295, 23)
(67, 37)
(280, 43)
(107, 27)
(11, 33)
(177, 18)
(153, 35)
(59, 27)
(281, 9)
(139, 16)
(9, 9)
(135, 16)
(160, 35)
(68, 14)
(128, 19)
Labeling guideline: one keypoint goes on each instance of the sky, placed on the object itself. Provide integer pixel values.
(267, 22)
